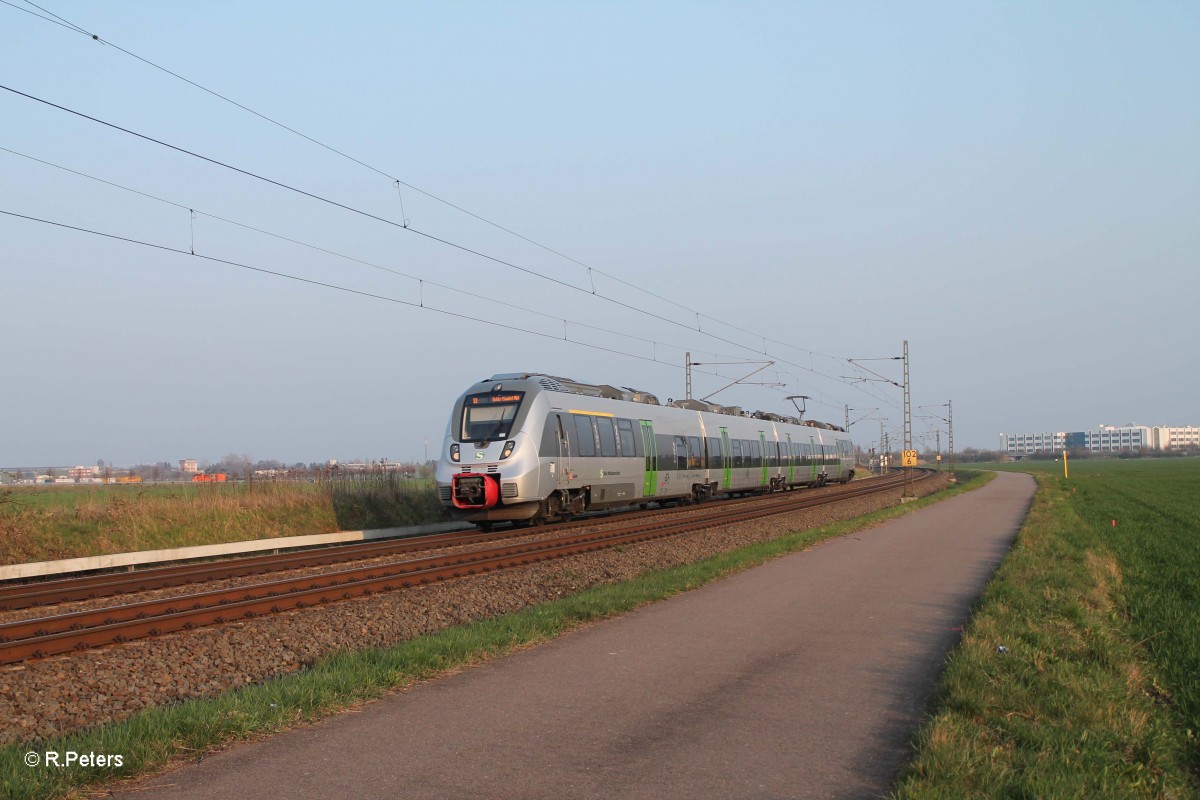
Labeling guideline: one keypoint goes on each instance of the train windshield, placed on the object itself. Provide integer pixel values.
(487, 417)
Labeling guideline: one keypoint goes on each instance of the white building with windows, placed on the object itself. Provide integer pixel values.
(1111, 439)
(1103, 439)
(1023, 444)
(1176, 438)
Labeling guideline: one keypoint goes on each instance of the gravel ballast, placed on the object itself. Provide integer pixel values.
(56, 696)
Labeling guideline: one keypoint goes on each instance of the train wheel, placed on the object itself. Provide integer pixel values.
(485, 527)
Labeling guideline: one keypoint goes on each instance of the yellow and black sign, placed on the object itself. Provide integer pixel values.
(909, 458)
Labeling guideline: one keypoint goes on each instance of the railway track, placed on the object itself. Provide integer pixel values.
(17, 596)
(46, 636)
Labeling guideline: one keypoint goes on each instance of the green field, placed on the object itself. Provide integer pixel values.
(38, 524)
(1098, 607)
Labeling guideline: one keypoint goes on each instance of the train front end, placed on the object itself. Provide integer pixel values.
(490, 470)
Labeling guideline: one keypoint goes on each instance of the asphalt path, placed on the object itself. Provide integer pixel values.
(804, 677)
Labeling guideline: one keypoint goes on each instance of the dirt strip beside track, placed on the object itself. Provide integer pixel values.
(801, 678)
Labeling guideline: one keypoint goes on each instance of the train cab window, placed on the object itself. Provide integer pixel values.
(625, 438)
(695, 453)
(608, 437)
(585, 435)
(489, 416)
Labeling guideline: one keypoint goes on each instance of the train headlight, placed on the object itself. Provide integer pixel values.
(454, 452)
(508, 449)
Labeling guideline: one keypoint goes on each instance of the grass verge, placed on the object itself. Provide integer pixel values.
(68, 522)
(1082, 704)
(154, 738)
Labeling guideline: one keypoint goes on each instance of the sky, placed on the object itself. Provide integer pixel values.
(589, 190)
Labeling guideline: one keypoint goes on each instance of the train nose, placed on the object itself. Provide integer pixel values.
(474, 491)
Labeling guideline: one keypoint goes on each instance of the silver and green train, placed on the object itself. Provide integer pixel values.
(531, 448)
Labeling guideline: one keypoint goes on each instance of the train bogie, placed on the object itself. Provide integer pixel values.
(532, 447)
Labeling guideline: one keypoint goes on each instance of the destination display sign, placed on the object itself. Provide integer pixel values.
(496, 399)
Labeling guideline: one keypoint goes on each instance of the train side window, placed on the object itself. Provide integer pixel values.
(714, 453)
(608, 437)
(585, 435)
(755, 454)
(679, 444)
(695, 453)
(625, 438)
(665, 446)
(736, 446)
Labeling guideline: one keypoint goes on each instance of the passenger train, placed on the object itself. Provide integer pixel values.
(530, 448)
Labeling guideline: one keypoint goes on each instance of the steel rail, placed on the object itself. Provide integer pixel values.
(92, 587)
(14, 597)
(48, 636)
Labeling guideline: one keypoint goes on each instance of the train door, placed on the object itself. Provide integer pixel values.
(766, 459)
(790, 461)
(726, 462)
(563, 471)
(650, 484)
(814, 451)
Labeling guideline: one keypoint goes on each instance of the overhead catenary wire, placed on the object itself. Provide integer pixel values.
(63, 24)
(336, 287)
(324, 284)
(193, 213)
(399, 182)
(368, 215)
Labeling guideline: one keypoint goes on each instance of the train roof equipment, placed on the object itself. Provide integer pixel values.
(554, 383)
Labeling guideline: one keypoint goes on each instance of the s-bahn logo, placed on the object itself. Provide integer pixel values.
(479, 454)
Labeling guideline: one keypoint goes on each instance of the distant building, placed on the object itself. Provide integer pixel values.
(1104, 439)
(189, 466)
(1023, 444)
(1176, 438)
